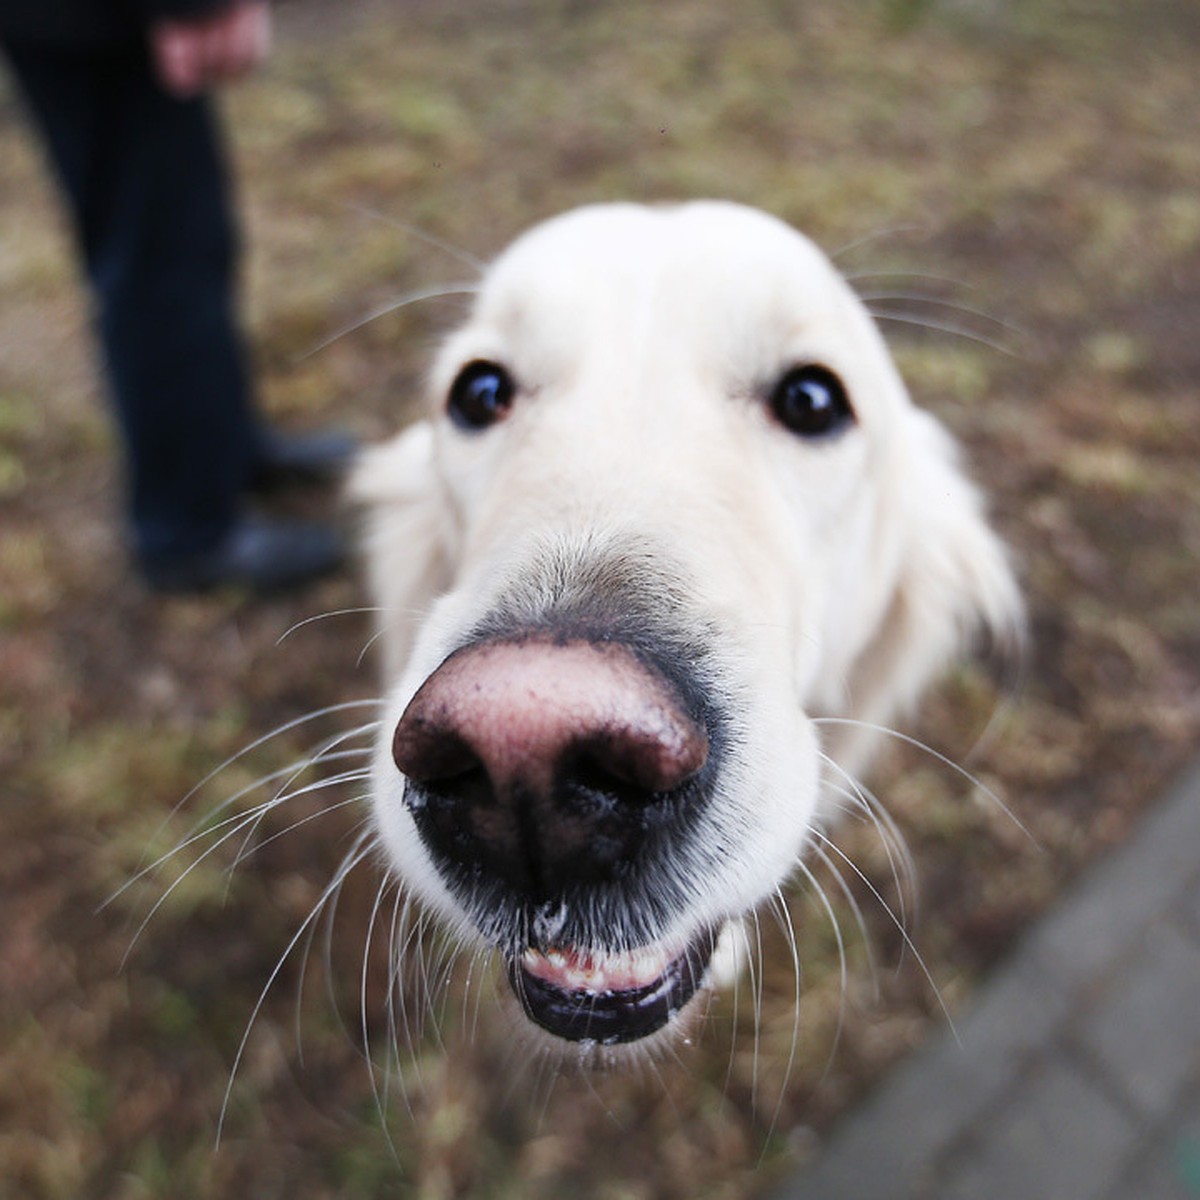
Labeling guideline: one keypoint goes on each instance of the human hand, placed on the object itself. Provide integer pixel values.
(193, 54)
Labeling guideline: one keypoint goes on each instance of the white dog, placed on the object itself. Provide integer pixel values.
(670, 505)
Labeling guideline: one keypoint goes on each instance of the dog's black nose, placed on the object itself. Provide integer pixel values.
(544, 765)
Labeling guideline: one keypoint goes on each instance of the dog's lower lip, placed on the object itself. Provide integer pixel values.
(589, 998)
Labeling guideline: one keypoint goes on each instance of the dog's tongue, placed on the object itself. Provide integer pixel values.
(580, 995)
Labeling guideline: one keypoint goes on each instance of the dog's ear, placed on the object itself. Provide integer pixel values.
(954, 583)
(408, 538)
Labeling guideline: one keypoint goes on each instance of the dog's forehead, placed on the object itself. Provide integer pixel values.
(721, 265)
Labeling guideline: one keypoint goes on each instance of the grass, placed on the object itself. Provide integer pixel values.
(1032, 164)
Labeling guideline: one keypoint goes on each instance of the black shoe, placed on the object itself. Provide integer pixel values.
(301, 458)
(258, 554)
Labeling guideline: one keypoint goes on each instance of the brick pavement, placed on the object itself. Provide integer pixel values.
(1077, 1071)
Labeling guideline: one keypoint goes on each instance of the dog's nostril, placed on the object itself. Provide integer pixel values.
(637, 763)
(430, 752)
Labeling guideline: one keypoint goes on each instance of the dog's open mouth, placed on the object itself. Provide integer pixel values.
(610, 998)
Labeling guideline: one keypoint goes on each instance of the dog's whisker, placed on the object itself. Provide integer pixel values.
(394, 1060)
(904, 934)
(397, 993)
(866, 815)
(917, 744)
(876, 235)
(325, 616)
(204, 827)
(301, 979)
(412, 986)
(351, 801)
(412, 614)
(952, 306)
(930, 277)
(379, 1095)
(237, 823)
(856, 911)
(289, 774)
(258, 743)
(1012, 684)
(544, 1093)
(282, 797)
(201, 834)
(413, 1016)
(468, 979)
(843, 965)
(403, 301)
(391, 1067)
(340, 779)
(359, 852)
(952, 328)
(891, 837)
(783, 916)
(294, 769)
(329, 710)
(325, 754)
(427, 1016)
(823, 843)
(482, 973)
(463, 256)
(391, 971)
(328, 920)
(757, 985)
(432, 960)
(739, 932)
(655, 1068)
(362, 654)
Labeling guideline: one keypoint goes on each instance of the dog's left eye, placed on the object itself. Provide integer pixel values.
(481, 395)
(811, 401)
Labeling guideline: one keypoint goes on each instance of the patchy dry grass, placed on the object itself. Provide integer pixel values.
(1041, 158)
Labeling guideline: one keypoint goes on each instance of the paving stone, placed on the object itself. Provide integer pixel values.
(1113, 976)
(1020, 1009)
(1183, 1145)
(1102, 920)
(1153, 1180)
(880, 1152)
(1189, 907)
(1169, 1167)
(1058, 1138)
(1146, 1030)
(884, 1150)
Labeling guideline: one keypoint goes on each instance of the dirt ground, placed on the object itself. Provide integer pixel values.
(1014, 186)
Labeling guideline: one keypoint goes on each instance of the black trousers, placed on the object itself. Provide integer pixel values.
(147, 187)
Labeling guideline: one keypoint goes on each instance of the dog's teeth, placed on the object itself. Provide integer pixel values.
(578, 970)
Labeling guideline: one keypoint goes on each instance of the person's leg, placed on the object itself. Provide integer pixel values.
(147, 184)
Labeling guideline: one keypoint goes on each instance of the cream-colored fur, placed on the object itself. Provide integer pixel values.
(830, 577)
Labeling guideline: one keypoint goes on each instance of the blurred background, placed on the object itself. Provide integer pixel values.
(1013, 185)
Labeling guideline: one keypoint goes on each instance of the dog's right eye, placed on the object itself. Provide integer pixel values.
(481, 395)
(811, 401)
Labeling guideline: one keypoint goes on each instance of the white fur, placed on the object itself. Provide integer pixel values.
(834, 578)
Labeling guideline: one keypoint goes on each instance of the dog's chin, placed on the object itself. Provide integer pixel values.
(601, 1001)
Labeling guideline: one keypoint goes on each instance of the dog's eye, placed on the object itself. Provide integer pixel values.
(811, 401)
(480, 396)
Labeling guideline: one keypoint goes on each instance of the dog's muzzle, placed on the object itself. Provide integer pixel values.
(556, 783)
